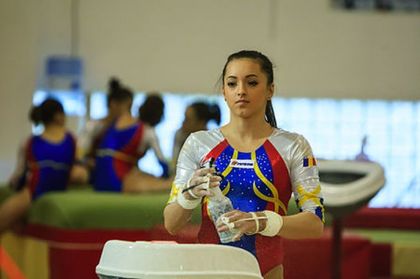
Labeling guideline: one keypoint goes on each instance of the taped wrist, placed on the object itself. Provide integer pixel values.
(185, 203)
(274, 223)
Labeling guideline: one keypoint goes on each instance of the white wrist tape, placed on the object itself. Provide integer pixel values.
(225, 220)
(274, 223)
(187, 204)
(192, 194)
(257, 222)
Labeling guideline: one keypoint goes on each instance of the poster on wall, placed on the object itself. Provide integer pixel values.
(379, 5)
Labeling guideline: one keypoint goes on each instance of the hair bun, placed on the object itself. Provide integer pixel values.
(114, 84)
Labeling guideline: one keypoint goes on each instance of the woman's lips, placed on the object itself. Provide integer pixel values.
(242, 102)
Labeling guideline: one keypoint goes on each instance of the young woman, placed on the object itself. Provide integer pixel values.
(260, 166)
(151, 113)
(93, 131)
(44, 165)
(197, 115)
(120, 147)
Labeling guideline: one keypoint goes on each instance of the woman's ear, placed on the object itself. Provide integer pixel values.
(270, 91)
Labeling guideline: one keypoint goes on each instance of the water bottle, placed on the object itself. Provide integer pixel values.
(219, 204)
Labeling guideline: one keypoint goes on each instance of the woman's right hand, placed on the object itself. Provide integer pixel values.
(200, 183)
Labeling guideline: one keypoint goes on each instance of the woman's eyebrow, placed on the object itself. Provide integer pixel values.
(251, 75)
(247, 76)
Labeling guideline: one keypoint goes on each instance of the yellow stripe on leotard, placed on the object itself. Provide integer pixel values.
(275, 199)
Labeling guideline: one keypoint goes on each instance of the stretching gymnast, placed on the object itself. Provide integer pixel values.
(260, 166)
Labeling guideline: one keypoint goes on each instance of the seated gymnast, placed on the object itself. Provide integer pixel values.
(44, 164)
(89, 137)
(119, 148)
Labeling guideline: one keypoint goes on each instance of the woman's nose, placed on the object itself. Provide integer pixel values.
(241, 90)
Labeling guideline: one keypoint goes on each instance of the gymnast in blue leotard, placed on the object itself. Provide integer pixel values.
(122, 144)
(44, 164)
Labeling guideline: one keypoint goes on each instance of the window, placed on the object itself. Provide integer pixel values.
(335, 129)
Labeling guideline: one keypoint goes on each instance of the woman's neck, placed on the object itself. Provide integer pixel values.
(54, 133)
(246, 134)
(125, 120)
(251, 128)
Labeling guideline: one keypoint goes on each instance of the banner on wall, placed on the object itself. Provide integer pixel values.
(64, 73)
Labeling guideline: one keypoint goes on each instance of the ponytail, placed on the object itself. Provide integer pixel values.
(35, 115)
(270, 117)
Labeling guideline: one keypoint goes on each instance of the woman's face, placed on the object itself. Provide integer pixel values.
(59, 119)
(245, 88)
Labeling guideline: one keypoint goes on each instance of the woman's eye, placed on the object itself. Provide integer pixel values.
(253, 83)
(231, 83)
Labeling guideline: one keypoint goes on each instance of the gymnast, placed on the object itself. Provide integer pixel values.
(119, 148)
(258, 167)
(44, 164)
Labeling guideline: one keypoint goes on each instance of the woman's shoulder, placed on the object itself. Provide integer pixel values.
(207, 134)
(70, 136)
(282, 133)
(206, 137)
(284, 136)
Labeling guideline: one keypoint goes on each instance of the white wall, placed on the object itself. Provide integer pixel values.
(319, 51)
(29, 30)
(181, 46)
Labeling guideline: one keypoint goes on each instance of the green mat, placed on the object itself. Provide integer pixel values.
(82, 208)
(388, 236)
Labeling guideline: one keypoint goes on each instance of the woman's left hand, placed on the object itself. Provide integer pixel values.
(241, 223)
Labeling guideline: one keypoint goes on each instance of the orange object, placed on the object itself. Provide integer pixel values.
(8, 266)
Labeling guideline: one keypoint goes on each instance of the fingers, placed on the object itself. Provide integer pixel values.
(201, 191)
(239, 222)
(202, 180)
(204, 171)
(215, 181)
(198, 180)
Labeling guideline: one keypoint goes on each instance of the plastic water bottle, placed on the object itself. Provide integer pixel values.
(219, 204)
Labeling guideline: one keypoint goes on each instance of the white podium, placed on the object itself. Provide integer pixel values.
(164, 260)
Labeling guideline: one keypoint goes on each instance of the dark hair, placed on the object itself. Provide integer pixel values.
(266, 67)
(113, 86)
(118, 93)
(46, 111)
(206, 112)
(151, 111)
